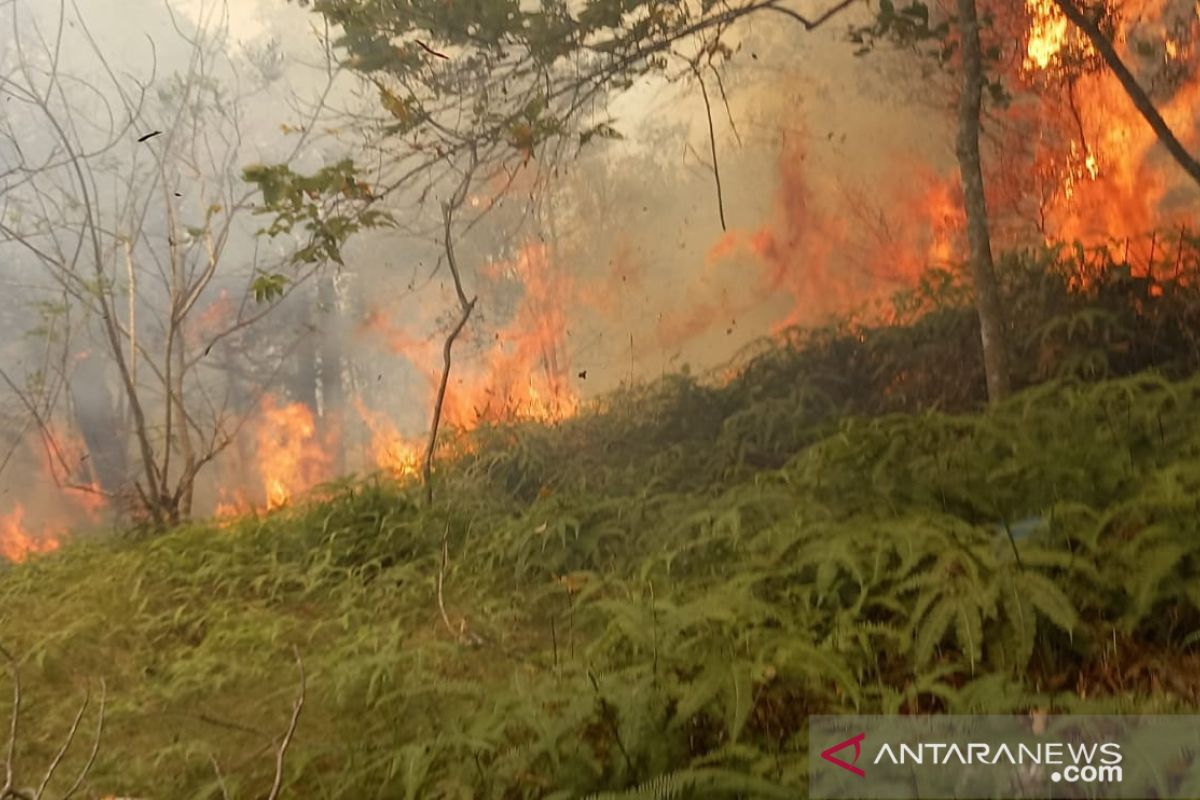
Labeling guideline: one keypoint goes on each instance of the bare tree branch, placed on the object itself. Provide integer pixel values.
(281, 751)
(11, 749)
(86, 769)
(97, 231)
(441, 579)
(712, 143)
(220, 778)
(62, 751)
(466, 307)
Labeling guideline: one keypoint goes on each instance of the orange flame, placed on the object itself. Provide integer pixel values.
(390, 451)
(1092, 162)
(522, 372)
(16, 543)
(63, 494)
(231, 504)
(1108, 179)
(814, 256)
(523, 375)
(291, 458)
(217, 316)
(1047, 34)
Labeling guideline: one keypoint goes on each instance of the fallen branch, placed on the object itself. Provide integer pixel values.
(430, 50)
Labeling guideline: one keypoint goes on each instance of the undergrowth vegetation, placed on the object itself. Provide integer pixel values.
(649, 599)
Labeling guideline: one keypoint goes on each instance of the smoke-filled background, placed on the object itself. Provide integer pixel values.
(837, 188)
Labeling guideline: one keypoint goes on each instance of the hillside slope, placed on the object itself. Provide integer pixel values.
(655, 593)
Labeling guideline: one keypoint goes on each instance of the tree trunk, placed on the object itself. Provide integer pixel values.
(1133, 89)
(987, 292)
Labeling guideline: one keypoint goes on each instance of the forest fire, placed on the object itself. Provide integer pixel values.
(231, 503)
(1049, 33)
(1084, 155)
(519, 375)
(291, 457)
(828, 263)
(65, 497)
(1077, 162)
(1108, 180)
(60, 454)
(389, 450)
(16, 543)
(292, 453)
(521, 372)
(1089, 150)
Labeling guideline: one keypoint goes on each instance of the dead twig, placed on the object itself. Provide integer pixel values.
(11, 750)
(281, 752)
(430, 50)
(87, 767)
(8, 791)
(725, 100)
(220, 778)
(441, 398)
(441, 579)
(62, 751)
(712, 142)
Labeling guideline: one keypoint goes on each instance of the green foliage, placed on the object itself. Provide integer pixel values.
(328, 206)
(268, 287)
(910, 27)
(502, 78)
(648, 600)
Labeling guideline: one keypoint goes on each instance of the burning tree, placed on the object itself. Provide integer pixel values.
(122, 205)
(1049, 64)
(495, 96)
(498, 95)
(1089, 22)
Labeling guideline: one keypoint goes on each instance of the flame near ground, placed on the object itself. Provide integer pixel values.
(1094, 169)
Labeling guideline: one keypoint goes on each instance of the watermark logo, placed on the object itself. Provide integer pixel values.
(1089, 773)
(990, 757)
(856, 743)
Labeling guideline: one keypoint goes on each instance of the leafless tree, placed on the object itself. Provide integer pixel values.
(123, 198)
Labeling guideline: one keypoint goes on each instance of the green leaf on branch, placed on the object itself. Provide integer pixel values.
(267, 288)
(329, 206)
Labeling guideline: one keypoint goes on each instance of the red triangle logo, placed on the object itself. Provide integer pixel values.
(856, 741)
